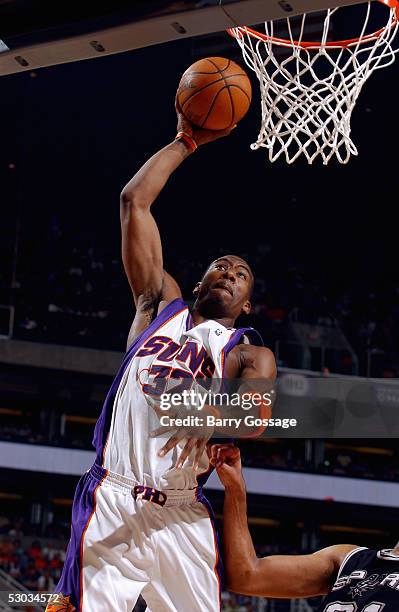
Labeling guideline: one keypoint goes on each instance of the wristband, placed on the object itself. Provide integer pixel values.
(190, 142)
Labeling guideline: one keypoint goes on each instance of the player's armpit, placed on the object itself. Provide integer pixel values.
(141, 321)
(170, 291)
(289, 576)
(147, 309)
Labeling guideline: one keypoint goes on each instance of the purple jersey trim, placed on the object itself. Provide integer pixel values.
(189, 322)
(254, 337)
(84, 503)
(234, 340)
(104, 422)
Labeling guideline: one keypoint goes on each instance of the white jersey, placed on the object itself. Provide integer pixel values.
(169, 348)
(138, 524)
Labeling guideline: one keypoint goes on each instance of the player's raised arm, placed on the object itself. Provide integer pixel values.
(141, 242)
(279, 576)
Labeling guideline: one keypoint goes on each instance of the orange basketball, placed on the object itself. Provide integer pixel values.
(214, 93)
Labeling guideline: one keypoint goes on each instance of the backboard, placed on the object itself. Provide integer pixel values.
(33, 37)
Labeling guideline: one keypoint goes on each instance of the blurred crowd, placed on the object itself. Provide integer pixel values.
(37, 564)
(73, 290)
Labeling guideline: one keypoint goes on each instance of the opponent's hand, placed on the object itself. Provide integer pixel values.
(199, 135)
(227, 460)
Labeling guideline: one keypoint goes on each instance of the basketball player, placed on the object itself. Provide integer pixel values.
(354, 579)
(140, 522)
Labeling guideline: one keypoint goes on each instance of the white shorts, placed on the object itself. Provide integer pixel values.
(122, 547)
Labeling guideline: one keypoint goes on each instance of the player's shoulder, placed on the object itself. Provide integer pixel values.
(256, 351)
(354, 557)
(260, 359)
(251, 353)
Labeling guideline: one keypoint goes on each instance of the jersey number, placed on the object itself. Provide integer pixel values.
(338, 606)
(161, 374)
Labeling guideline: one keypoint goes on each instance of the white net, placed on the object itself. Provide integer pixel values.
(309, 91)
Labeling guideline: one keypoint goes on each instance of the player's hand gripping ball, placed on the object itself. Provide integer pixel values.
(214, 93)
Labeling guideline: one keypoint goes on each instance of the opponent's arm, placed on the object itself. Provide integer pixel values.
(280, 576)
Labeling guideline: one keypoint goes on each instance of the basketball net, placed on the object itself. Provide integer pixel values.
(309, 91)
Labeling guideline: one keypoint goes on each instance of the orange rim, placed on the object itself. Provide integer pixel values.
(239, 32)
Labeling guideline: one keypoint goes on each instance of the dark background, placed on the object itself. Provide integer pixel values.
(321, 239)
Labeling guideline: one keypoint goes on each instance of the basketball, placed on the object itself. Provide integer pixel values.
(214, 93)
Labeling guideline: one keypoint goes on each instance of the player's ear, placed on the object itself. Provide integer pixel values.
(246, 307)
(196, 288)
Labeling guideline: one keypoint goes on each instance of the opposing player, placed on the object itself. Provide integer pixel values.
(140, 523)
(354, 579)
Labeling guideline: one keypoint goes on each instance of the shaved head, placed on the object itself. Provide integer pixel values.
(237, 260)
